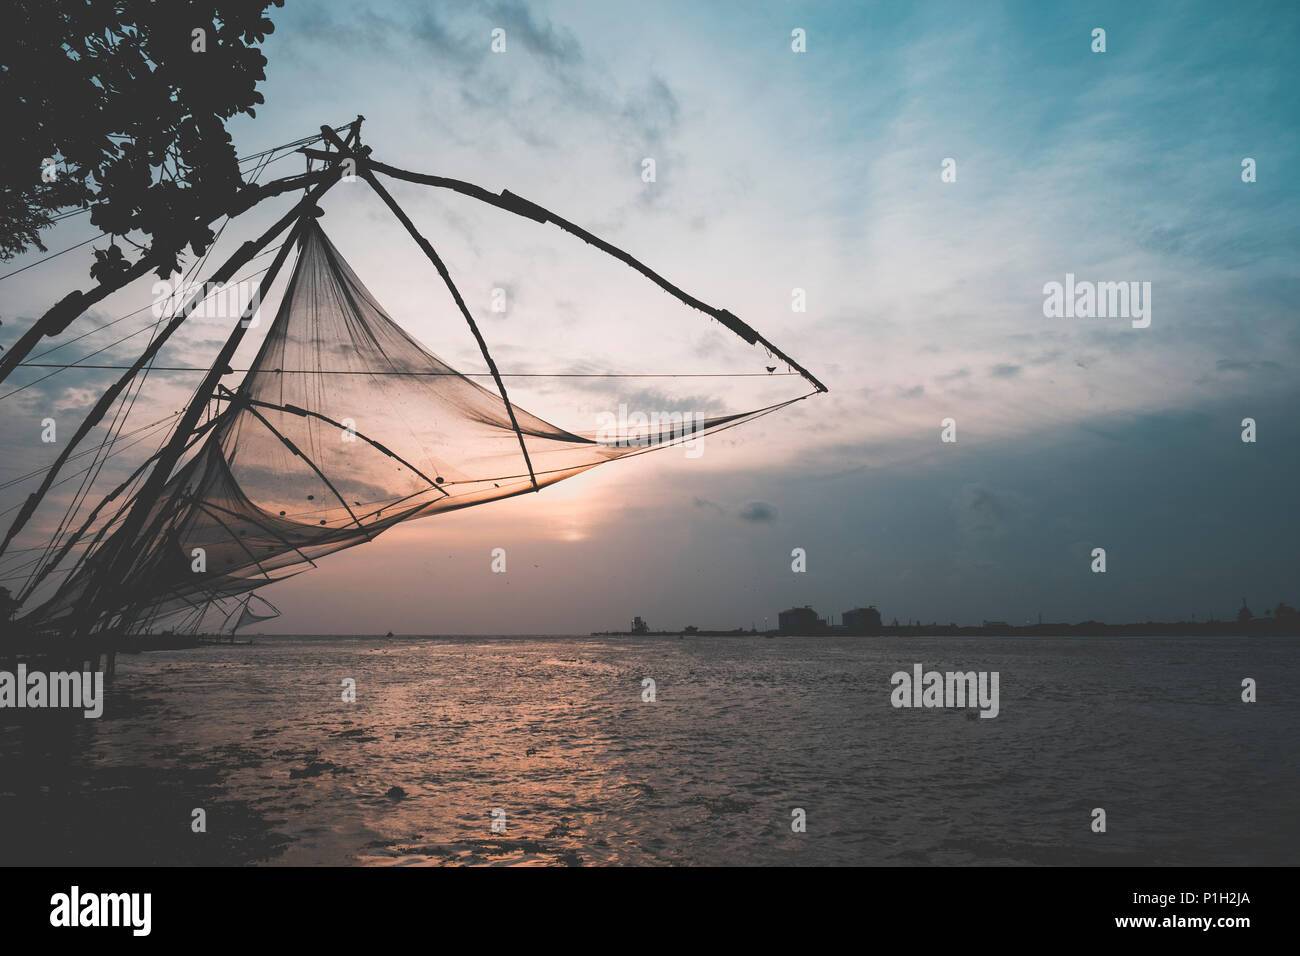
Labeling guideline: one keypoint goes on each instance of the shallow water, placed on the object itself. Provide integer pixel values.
(744, 729)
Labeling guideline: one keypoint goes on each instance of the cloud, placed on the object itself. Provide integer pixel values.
(980, 512)
(654, 110)
(650, 400)
(1239, 365)
(539, 36)
(758, 512)
(910, 280)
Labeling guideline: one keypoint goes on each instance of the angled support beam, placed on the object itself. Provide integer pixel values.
(119, 560)
(298, 452)
(460, 304)
(61, 314)
(267, 528)
(354, 134)
(233, 537)
(222, 275)
(307, 413)
(529, 210)
(111, 496)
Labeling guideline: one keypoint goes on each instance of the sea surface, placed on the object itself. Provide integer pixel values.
(743, 732)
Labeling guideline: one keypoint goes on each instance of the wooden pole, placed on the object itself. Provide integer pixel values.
(511, 203)
(460, 303)
(60, 315)
(224, 274)
(121, 553)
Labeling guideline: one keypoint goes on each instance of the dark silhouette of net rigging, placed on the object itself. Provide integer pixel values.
(343, 427)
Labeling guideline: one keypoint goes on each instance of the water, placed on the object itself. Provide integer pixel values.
(745, 729)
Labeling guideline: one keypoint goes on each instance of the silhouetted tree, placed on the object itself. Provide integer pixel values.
(121, 105)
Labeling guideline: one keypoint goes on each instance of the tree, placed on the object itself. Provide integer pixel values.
(121, 105)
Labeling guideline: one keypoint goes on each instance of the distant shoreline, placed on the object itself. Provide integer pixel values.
(1259, 627)
(1188, 629)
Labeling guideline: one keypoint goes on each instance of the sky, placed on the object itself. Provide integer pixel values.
(820, 170)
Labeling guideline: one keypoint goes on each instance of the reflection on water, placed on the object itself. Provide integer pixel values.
(554, 732)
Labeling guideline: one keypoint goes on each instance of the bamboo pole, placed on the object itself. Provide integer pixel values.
(460, 303)
(60, 315)
(509, 202)
(121, 553)
(241, 257)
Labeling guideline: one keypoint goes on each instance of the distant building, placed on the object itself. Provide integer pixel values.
(639, 626)
(800, 620)
(861, 620)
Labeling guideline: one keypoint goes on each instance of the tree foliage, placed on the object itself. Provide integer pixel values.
(128, 100)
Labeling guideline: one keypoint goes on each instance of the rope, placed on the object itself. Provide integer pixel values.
(53, 255)
(63, 367)
(123, 413)
(296, 371)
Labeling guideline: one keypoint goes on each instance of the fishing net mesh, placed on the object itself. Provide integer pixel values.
(343, 427)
